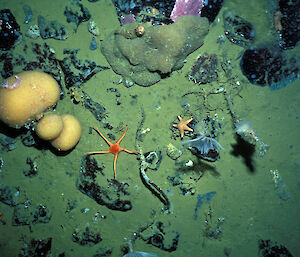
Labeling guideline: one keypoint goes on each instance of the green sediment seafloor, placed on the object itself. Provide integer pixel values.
(252, 202)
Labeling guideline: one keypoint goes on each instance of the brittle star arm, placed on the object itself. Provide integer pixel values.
(127, 151)
(121, 138)
(96, 152)
(98, 131)
(115, 165)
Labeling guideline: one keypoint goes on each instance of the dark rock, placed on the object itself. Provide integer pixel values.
(51, 29)
(142, 10)
(108, 193)
(7, 143)
(86, 237)
(103, 252)
(290, 13)
(175, 180)
(95, 108)
(269, 66)
(33, 168)
(78, 71)
(9, 30)
(127, 6)
(28, 139)
(9, 195)
(268, 248)
(36, 247)
(35, 57)
(7, 67)
(237, 29)
(76, 13)
(31, 214)
(211, 9)
(71, 205)
(42, 57)
(28, 13)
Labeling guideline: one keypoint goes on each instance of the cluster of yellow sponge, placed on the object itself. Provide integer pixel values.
(26, 96)
(63, 132)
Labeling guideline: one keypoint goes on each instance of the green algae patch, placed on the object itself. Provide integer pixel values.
(146, 58)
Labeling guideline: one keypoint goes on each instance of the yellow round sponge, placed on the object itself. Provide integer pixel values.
(49, 127)
(25, 96)
(70, 134)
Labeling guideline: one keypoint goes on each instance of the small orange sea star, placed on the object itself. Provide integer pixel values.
(114, 148)
(182, 125)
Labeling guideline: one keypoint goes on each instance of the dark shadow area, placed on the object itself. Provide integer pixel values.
(245, 150)
(11, 132)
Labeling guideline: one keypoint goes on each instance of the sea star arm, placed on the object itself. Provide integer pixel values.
(96, 152)
(106, 140)
(188, 128)
(115, 165)
(121, 138)
(127, 151)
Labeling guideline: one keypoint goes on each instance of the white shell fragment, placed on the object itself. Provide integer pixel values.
(93, 28)
(173, 152)
(33, 32)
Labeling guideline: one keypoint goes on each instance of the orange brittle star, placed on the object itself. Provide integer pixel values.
(114, 148)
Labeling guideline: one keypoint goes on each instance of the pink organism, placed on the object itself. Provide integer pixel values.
(186, 8)
(15, 85)
(128, 18)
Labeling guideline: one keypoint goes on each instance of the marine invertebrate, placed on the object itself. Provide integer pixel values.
(115, 148)
(128, 18)
(246, 131)
(186, 7)
(140, 30)
(69, 135)
(203, 144)
(182, 125)
(204, 70)
(49, 127)
(146, 59)
(14, 85)
(25, 97)
(276, 21)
